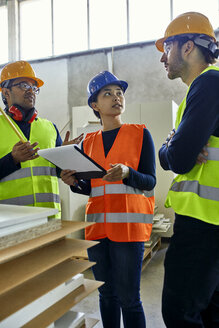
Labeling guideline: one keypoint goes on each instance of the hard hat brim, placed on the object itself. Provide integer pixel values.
(159, 44)
(39, 82)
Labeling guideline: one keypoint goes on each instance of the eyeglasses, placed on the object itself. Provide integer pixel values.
(25, 87)
(167, 46)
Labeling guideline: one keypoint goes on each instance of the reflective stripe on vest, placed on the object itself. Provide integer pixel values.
(44, 170)
(120, 217)
(47, 198)
(22, 200)
(213, 153)
(206, 192)
(19, 174)
(26, 172)
(119, 189)
(29, 199)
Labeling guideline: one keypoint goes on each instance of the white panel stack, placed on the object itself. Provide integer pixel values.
(161, 224)
(18, 218)
(70, 319)
(33, 309)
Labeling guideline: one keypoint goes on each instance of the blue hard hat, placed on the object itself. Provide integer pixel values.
(101, 80)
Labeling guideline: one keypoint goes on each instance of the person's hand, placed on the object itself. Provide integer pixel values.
(68, 177)
(117, 172)
(22, 152)
(72, 141)
(169, 137)
(202, 156)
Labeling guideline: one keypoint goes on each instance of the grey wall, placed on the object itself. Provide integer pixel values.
(139, 66)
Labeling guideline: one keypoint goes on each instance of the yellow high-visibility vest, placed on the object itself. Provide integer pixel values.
(196, 193)
(36, 182)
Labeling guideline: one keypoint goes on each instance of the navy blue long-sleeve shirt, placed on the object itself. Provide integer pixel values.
(200, 120)
(7, 165)
(144, 178)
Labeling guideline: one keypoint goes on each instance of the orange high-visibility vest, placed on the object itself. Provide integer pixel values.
(121, 213)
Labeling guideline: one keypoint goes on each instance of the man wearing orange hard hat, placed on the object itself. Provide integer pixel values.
(26, 178)
(191, 282)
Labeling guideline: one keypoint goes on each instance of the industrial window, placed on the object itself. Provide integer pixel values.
(4, 34)
(148, 19)
(70, 26)
(35, 29)
(108, 23)
(56, 27)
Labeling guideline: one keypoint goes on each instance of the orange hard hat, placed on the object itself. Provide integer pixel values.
(187, 23)
(18, 69)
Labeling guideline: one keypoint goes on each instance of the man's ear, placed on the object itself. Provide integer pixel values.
(188, 47)
(5, 92)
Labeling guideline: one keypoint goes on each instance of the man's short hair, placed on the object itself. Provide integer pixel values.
(206, 45)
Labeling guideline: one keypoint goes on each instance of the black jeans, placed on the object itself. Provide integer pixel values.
(119, 265)
(191, 282)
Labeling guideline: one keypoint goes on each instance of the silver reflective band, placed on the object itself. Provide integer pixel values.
(26, 172)
(120, 218)
(206, 192)
(119, 189)
(97, 191)
(129, 217)
(29, 200)
(149, 193)
(19, 174)
(22, 200)
(44, 170)
(97, 217)
(47, 198)
(213, 154)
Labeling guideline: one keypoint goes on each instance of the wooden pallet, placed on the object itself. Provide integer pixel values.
(150, 252)
(90, 322)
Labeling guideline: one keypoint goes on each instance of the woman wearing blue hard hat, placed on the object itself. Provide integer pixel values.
(121, 203)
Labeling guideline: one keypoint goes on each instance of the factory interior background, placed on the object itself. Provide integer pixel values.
(68, 42)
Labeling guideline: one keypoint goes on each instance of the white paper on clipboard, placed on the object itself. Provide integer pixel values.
(71, 157)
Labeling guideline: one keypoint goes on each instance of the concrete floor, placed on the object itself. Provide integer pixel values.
(151, 289)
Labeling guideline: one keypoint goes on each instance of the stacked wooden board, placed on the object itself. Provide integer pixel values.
(40, 281)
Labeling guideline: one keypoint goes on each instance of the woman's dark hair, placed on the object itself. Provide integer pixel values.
(94, 99)
(96, 113)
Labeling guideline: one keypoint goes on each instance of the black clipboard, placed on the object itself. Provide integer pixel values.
(73, 158)
(89, 174)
